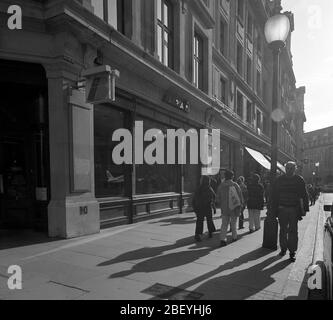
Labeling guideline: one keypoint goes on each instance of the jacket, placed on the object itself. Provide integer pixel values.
(222, 197)
(255, 196)
(288, 191)
(203, 201)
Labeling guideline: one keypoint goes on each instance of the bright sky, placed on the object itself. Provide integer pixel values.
(312, 49)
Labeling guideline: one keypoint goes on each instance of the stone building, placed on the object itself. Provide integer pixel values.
(183, 64)
(318, 156)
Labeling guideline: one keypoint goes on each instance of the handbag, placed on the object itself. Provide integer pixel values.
(234, 200)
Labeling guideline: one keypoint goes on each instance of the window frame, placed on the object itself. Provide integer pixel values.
(198, 60)
(165, 30)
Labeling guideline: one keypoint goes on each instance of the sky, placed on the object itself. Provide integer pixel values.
(312, 49)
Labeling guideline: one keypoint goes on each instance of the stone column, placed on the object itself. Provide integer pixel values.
(73, 210)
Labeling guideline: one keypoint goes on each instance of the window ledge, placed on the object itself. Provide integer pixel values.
(203, 13)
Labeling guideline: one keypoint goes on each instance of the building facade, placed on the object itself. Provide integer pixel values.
(200, 64)
(318, 156)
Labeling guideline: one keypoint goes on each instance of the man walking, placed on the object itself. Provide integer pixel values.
(290, 203)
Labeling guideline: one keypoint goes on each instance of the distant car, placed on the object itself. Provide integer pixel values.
(328, 188)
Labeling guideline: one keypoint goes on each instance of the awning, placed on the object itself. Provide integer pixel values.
(279, 165)
(260, 158)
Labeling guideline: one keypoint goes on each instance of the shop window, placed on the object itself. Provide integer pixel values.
(156, 178)
(164, 32)
(198, 61)
(109, 177)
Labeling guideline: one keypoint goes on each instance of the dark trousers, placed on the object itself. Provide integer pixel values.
(288, 220)
(200, 222)
(241, 219)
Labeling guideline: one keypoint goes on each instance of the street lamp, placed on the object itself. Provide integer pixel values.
(277, 29)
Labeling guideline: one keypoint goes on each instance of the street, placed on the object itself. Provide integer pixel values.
(158, 259)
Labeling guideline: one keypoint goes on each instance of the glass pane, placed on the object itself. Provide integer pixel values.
(112, 13)
(109, 178)
(96, 6)
(159, 43)
(166, 14)
(159, 9)
(157, 178)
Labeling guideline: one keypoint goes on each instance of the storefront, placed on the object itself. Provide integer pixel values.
(127, 193)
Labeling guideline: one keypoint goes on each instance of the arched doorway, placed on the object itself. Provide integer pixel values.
(24, 162)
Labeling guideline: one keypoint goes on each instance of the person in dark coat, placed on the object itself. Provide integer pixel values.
(255, 202)
(204, 205)
(243, 187)
(290, 203)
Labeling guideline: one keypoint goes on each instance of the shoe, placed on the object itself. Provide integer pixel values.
(197, 238)
(292, 257)
(223, 244)
(251, 231)
(282, 253)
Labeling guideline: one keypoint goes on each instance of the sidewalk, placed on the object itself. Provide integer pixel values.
(158, 259)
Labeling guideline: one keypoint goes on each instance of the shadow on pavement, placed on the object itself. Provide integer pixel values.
(20, 238)
(146, 253)
(245, 283)
(167, 261)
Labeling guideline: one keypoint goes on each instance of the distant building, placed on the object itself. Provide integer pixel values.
(183, 64)
(318, 156)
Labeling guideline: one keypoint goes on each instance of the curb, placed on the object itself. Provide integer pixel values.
(318, 259)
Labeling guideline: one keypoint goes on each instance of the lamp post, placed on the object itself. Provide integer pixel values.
(277, 29)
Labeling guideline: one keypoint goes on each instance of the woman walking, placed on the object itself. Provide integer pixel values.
(255, 202)
(243, 187)
(203, 205)
(230, 200)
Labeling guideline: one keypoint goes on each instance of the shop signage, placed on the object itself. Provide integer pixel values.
(177, 102)
(100, 84)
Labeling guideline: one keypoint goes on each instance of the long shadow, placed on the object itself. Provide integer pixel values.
(174, 221)
(167, 261)
(147, 252)
(10, 239)
(243, 284)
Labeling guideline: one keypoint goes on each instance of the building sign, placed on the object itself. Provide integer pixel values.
(100, 84)
(177, 102)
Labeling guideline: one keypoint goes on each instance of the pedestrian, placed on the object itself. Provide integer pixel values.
(243, 187)
(289, 203)
(255, 202)
(230, 200)
(203, 206)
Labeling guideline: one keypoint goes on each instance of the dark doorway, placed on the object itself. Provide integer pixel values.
(24, 163)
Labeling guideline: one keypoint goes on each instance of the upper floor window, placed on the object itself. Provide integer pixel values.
(240, 9)
(164, 32)
(198, 61)
(258, 83)
(111, 11)
(223, 88)
(249, 70)
(223, 37)
(249, 112)
(249, 29)
(239, 58)
(259, 44)
(240, 110)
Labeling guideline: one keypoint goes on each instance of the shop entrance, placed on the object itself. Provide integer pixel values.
(24, 171)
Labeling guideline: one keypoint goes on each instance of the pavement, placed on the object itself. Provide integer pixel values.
(155, 260)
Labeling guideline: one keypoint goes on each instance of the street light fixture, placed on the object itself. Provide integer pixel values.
(277, 30)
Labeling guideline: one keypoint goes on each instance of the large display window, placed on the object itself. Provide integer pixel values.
(156, 178)
(109, 177)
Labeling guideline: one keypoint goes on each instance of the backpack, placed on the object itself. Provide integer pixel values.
(234, 200)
